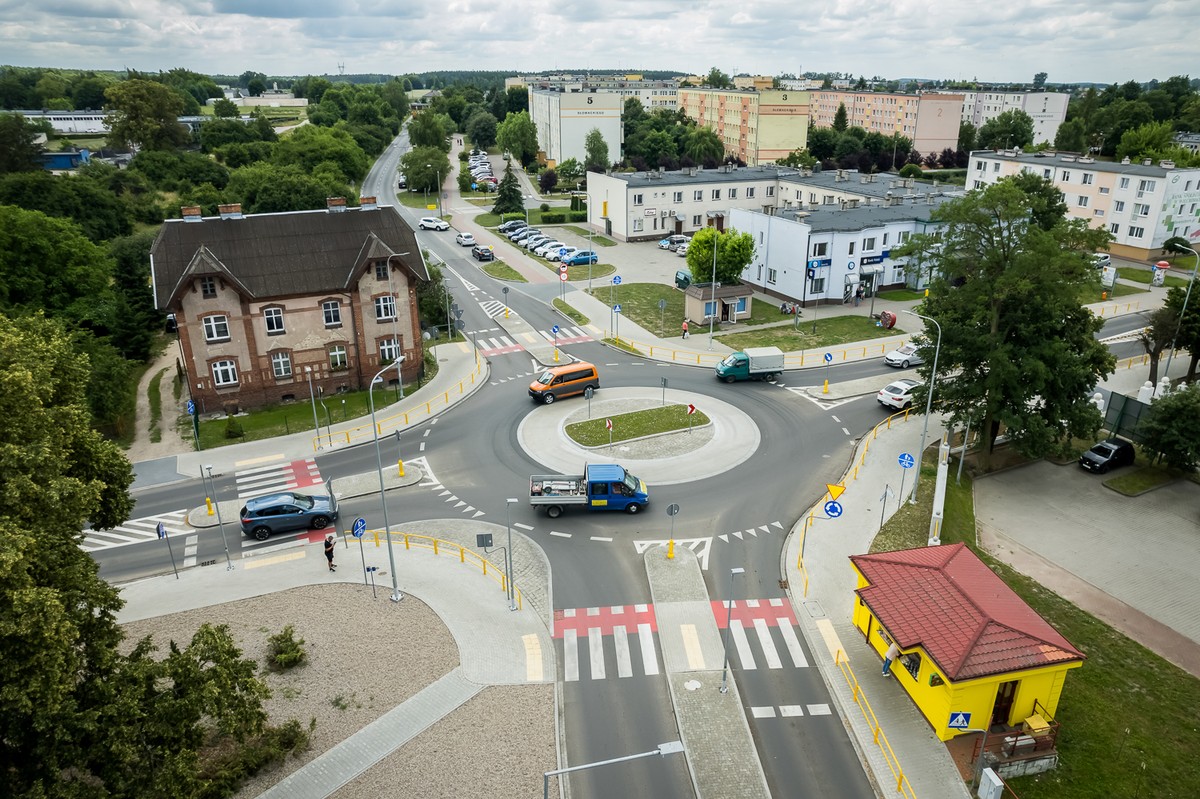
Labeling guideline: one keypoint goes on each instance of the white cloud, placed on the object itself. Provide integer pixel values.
(1104, 41)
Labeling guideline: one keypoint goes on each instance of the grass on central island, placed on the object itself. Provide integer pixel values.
(626, 426)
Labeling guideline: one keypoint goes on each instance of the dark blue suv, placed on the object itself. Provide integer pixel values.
(278, 513)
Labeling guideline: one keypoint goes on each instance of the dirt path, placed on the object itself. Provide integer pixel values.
(142, 448)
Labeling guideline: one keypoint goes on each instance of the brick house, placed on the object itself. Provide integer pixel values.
(264, 302)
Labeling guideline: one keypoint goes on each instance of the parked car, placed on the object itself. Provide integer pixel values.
(1101, 260)
(488, 179)
(672, 242)
(903, 357)
(682, 250)
(546, 247)
(683, 279)
(1107, 455)
(561, 253)
(264, 516)
(401, 182)
(512, 226)
(433, 223)
(533, 242)
(582, 258)
(465, 239)
(897, 395)
(481, 252)
(523, 234)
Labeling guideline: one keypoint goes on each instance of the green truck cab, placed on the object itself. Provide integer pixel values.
(754, 363)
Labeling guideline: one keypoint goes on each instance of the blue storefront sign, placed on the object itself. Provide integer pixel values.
(817, 263)
(871, 259)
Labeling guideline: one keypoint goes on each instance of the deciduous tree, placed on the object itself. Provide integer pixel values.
(144, 114)
(19, 150)
(518, 136)
(1009, 129)
(1171, 429)
(424, 168)
(595, 150)
(735, 251)
(481, 128)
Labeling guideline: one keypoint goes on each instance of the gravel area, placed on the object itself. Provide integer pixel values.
(360, 665)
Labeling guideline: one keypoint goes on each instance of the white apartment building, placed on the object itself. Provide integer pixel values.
(1047, 109)
(654, 94)
(1142, 203)
(564, 119)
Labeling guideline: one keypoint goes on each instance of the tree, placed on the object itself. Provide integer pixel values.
(840, 118)
(225, 109)
(481, 128)
(1009, 129)
(798, 159)
(911, 171)
(704, 146)
(1039, 81)
(264, 187)
(256, 86)
(595, 151)
(823, 142)
(735, 251)
(516, 100)
(1156, 337)
(428, 130)
(143, 114)
(966, 136)
(508, 194)
(19, 150)
(1171, 429)
(717, 79)
(311, 146)
(1017, 349)
(135, 318)
(570, 172)
(1046, 201)
(1187, 326)
(518, 136)
(424, 168)
(1152, 140)
(87, 93)
(1071, 136)
(98, 212)
(548, 180)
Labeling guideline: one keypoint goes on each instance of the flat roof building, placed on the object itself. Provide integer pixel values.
(929, 121)
(759, 127)
(564, 119)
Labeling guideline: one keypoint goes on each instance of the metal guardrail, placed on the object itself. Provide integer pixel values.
(902, 784)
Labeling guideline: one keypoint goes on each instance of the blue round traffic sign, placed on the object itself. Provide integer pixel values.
(360, 527)
(850, 266)
(833, 509)
(554, 329)
(828, 357)
(616, 280)
(906, 460)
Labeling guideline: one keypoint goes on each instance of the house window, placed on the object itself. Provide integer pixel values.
(216, 328)
(817, 285)
(819, 249)
(274, 317)
(678, 197)
(733, 194)
(716, 194)
(388, 351)
(281, 365)
(935, 680)
(741, 305)
(996, 167)
(868, 244)
(208, 287)
(1141, 209)
(332, 310)
(225, 373)
(770, 191)
(337, 358)
(1118, 206)
(637, 225)
(385, 308)
(902, 237)
(381, 270)
(885, 239)
(1145, 186)
(1124, 183)
(750, 193)
(912, 663)
(851, 251)
(710, 309)
(1114, 228)
(1104, 190)
(637, 199)
(771, 275)
(1046, 173)
(1136, 232)
(698, 195)
(696, 220)
(1097, 212)
(1087, 178)
(1065, 177)
(1082, 201)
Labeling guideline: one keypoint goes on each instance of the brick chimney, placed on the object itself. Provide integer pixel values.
(335, 205)
(191, 213)
(230, 210)
(367, 204)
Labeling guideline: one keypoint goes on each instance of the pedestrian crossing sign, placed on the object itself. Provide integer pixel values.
(959, 721)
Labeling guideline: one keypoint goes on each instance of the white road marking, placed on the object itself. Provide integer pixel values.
(770, 653)
(844, 430)
(596, 652)
(819, 710)
(570, 656)
(745, 655)
(560, 535)
(787, 711)
(649, 656)
(602, 538)
(793, 644)
(522, 526)
(834, 418)
(767, 712)
(621, 642)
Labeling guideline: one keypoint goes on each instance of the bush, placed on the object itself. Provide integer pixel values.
(577, 216)
(233, 428)
(232, 764)
(462, 155)
(285, 652)
(553, 219)
(911, 171)
(545, 207)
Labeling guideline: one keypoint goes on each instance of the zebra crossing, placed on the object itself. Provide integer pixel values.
(567, 335)
(259, 478)
(135, 531)
(493, 308)
(497, 345)
(433, 484)
(763, 631)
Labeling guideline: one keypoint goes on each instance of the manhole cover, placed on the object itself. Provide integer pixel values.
(692, 685)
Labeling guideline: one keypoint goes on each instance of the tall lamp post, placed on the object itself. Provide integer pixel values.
(220, 521)
(912, 500)
(313, 398)
(728, 620)
(712, 319)
(387, 530)
(512, 591)
(438, 172)
(977, 770)
(1187, 296)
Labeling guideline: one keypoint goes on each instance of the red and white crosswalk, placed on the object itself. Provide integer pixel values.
(268, 478)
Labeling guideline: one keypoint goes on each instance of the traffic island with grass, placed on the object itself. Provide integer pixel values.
(635, 425)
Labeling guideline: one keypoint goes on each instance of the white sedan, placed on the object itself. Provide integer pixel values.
(433, 223)
(561, 253)
(465, 239)
(904, 357)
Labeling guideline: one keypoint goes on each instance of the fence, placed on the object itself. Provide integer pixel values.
(902, 784)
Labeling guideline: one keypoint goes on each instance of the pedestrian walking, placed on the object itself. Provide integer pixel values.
(892, 653)
(329, 552)
(858, 296)
(685, 329)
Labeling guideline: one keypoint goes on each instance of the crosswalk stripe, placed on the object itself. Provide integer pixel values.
(788, 711)
(767, 712)
(649, 656)
(793, 645)
(570, 656)
(743, 646)
(621, 642)
(770, 653)
(819, 710)
(596, 653)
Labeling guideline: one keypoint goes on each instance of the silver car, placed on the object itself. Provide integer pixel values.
(904, 357)
(278, 513)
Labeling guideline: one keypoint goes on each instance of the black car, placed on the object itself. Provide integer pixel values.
(512, 226)
(482, 253)
(1107, 455)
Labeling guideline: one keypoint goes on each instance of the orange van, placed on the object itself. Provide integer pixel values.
(580, 377)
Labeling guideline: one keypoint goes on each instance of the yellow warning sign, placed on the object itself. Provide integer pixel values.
(835, 490)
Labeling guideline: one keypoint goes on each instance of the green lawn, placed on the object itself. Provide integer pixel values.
(1141, 480)
(901, 295)
(502, 271)
(1139, 275)
(1128, 717)
(626, 426)
(831, 331)
(639, 304)
(417, 199)
(573, 314)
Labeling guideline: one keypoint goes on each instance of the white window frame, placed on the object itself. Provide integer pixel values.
(1136, 232)
(1114, 228)
(697, 221)
(770, 191)
(732, 193)
(224, 373)
(749, 192)
(637, 199)
(213, 326)
(869, 244)
(388, 345)
(698, 195)
(1082, 201)
(273, 317)
(338, 360)
(1087, 178)
(678, 197)
(771, 275)
(820, 249)
(281, 365)
(1118, 206)
(382, 306)
(331, 311)
(716, 194)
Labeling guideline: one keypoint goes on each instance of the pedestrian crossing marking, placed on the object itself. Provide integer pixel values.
(793, 645)
(596, 651)
(621, 642)
(570, 656)
(763, 712)
(493, 308)
(701, 546)
(567, 335)
(788, 711)
(136, 531)
(649, 656)
(260, 481)
(745, 655)
(691, 646)
(770, 653)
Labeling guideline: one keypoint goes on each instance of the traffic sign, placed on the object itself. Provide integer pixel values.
(608, 424)
(906, 460)
(672, 509)
(561, 252)
(833, 509)
(359, 527)
(828, 357)
(617, 308)
(554, 329)
(504, 289)
(461, 325)
(191, 408)
(616, 280)
(562, 276)
(562, 268)
(691, 409)
(850, 266)
(662, 305)
(959, 720)
(161, 529)
(835, 490)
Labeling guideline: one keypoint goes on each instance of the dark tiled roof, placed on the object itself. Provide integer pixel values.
(947, 601)
(271, 255)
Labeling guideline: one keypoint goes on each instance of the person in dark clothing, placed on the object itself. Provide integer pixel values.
(329, 552)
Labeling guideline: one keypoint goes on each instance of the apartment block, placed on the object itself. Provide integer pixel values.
(653, 94)
(1048, 110)
(759, 127)
(929, 121)
(563, 120)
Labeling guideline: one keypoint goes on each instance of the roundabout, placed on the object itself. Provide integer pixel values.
(730, 439)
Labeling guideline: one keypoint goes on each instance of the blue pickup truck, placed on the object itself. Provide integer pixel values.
(602, 486)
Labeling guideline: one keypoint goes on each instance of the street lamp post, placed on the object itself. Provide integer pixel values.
(728, 620)
(313, 397)
(387, 530)
(437, 172)
(928, 403)
(220, 521)
(712, 319)
(977, 769)
(512, 591)
(1187, 296)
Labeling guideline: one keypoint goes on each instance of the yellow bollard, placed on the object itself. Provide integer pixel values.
(400, 462)
(208, 502)
(826, 389)
(671, 549)
(556, 354)
(505, 311)
(376, 538)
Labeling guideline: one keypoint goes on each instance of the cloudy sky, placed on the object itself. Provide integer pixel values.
(1007, 40)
